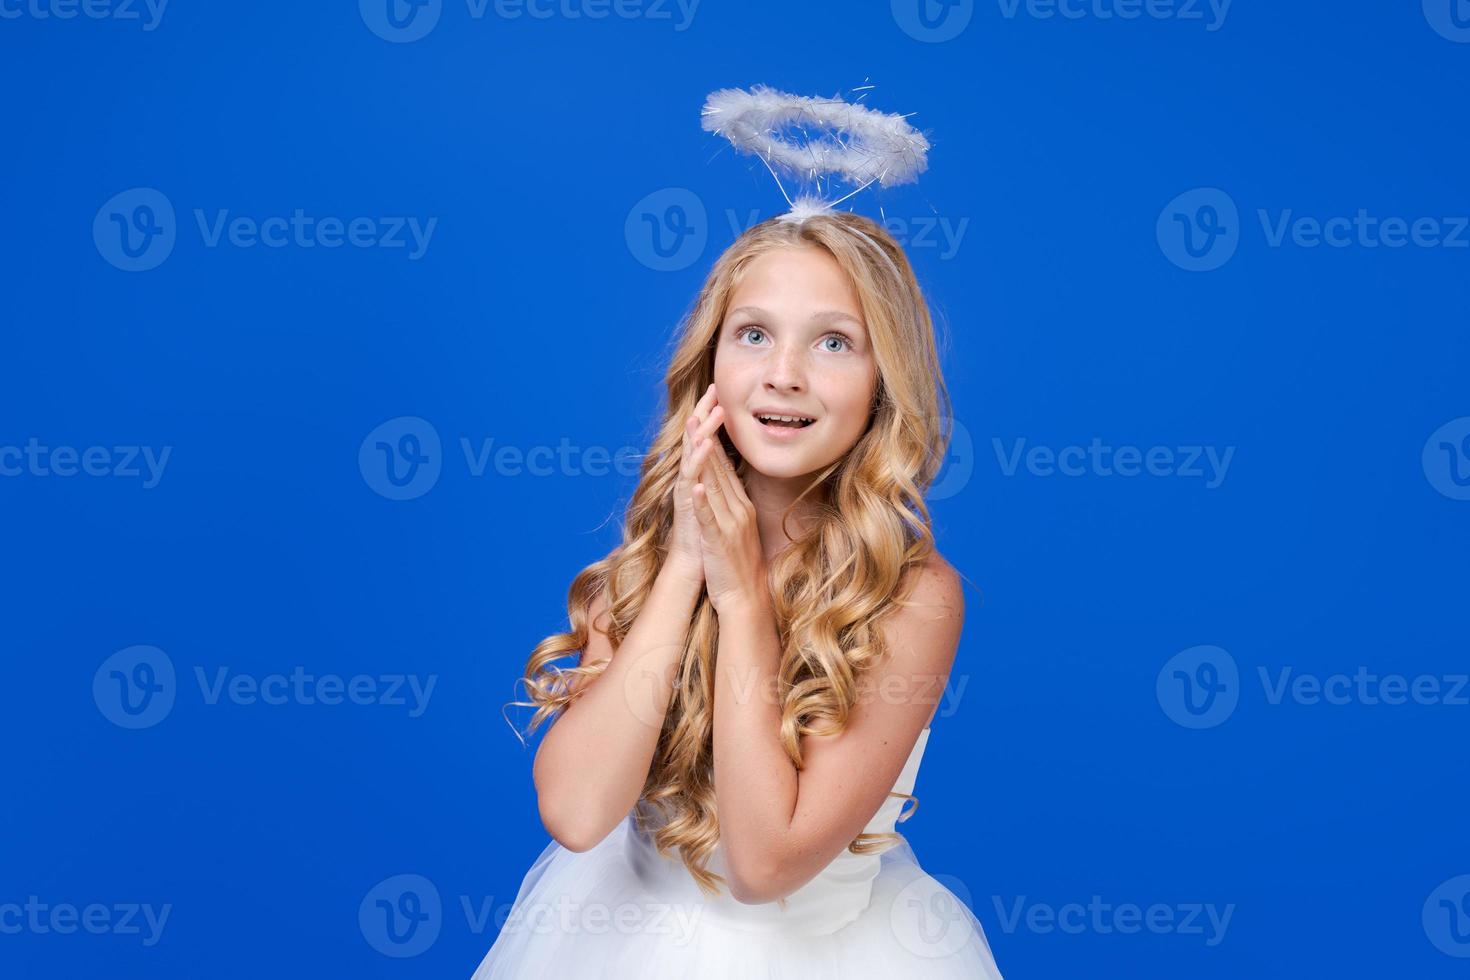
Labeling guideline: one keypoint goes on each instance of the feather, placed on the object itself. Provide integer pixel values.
(838, 138)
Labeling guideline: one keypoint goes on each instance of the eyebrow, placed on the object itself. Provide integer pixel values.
(825, 316)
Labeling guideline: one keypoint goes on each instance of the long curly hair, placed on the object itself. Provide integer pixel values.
(835, 582)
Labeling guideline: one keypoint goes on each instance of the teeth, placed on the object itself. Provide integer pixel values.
(786, 418)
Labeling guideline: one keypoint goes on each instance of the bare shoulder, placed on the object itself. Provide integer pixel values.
(923, 635)
(936, 590)
(922, 631)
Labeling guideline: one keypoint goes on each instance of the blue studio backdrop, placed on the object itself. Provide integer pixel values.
(331, 334)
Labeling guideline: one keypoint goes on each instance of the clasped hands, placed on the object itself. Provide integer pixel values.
(715, 531)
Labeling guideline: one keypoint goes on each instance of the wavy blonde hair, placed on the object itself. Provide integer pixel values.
(831, 586)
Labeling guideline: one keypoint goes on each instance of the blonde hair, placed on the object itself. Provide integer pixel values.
(830, 587)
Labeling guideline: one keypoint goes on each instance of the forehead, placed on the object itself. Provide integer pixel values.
(796, 282)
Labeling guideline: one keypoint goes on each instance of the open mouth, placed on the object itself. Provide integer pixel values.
(785, 421)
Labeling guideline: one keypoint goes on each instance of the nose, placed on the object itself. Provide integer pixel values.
(786, 369)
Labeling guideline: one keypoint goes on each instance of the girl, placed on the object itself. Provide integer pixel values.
(761, 656)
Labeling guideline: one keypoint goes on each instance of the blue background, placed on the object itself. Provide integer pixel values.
(535, 316)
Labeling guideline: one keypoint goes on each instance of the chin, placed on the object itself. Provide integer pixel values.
(777, 471)
(775, 467)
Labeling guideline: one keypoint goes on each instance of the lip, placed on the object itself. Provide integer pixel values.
(780, 433)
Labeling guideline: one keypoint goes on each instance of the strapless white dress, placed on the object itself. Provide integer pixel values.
(622, 911)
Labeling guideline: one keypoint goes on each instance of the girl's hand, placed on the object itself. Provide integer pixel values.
(684, 548)
(734, 564)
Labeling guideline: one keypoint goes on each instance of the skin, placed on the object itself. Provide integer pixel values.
(778, 827)
(807, 349)
(793, 338)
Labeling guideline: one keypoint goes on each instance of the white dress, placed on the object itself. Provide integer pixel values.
(621, 911)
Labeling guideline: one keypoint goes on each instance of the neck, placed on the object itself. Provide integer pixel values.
(771, 497)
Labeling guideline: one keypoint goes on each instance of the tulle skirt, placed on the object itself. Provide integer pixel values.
(600, 913)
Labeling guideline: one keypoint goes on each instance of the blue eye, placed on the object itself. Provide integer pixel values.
(847, 345)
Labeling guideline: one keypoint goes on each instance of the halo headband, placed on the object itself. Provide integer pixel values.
(839, 139)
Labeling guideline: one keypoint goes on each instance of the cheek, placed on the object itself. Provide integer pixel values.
(851, 396)
(732, 380)
(854, 420)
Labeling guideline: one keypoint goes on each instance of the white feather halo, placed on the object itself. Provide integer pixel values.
(852, 141)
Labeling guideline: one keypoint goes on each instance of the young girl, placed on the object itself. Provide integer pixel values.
(761, 656)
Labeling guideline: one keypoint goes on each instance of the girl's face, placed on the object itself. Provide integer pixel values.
(793, 342)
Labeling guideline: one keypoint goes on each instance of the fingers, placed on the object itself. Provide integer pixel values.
(702, 407)
(695, 434)
(696, 430)
(719, 472)
(707, 509)
(714, 475)
(703, 514)
(732, 482)
(709, 423)
(716, 492)
(706, 400)
(694, 462)
(706, 462)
